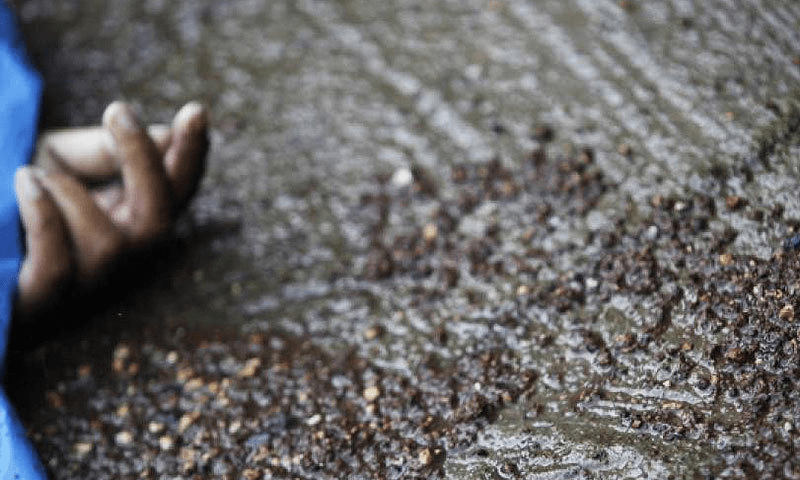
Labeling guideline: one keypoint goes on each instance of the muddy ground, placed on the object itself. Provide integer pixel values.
(440, 239)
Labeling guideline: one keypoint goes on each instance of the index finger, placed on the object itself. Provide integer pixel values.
(89, 152)
(146, 210)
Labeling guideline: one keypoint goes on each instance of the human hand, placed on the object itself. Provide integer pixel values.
(95, 194)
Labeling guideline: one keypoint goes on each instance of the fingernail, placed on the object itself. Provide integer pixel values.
(27, 186)
(122, 117)
(193, 115)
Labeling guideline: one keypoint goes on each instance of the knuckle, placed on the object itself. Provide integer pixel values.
(150, 223)
(101, 253)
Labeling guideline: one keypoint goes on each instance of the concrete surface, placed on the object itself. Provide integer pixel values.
(321, 106)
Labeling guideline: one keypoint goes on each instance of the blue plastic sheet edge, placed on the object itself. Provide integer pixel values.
(20, 92)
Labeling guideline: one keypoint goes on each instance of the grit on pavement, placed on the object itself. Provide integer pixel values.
(456, 239)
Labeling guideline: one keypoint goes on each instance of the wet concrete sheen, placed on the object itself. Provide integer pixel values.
(548, 232)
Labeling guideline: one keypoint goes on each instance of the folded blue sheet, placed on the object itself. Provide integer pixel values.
(20, 90)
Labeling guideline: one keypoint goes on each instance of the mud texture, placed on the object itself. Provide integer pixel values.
(469, 239)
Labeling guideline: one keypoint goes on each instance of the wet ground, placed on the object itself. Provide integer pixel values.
(440, 239)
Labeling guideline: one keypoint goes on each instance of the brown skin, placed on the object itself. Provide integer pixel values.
(97, 193)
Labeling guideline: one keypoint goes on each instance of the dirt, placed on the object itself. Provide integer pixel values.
(420, 256)
(678, 341)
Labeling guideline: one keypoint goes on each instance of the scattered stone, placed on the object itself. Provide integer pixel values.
(425, 457)
(235, 427)
(155, 427)
(193, 384)
(123, 410)
(735, 202)
(172, 358)
(402, 177)
(81, 449)
(371, 393)
(373, 332)
(314, 420)
(123, 438)
(787, 313)
(430, 232)
(726, 259)
(122, 352)
(166, 443)
(250, 368)
(184, 374)
(251, 474)
(187, 420)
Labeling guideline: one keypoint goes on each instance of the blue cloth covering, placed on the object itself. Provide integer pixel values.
(20, 89)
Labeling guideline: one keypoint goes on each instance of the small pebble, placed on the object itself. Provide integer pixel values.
(735, 202)
(193, 384)
(122, 352)
(251, 474)
(651, 233)
(726, 259)
(155, 427)
(402, 177)
(425, 457)
(314, 420)
(82, 449)
(234, 427)
(787, 313)
(250, 368)
(166, 443)
(373, 332)
(430, 232)
(187, 420)
(372, 393)
(184, 374)
(657, 201)
(123, 410)
(172, 358)
(123, 438)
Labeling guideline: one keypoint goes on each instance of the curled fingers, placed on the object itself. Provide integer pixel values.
(145, 212)
(95, 241)
(48, 264)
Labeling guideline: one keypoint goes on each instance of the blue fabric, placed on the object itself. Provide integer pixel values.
(20, 89)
